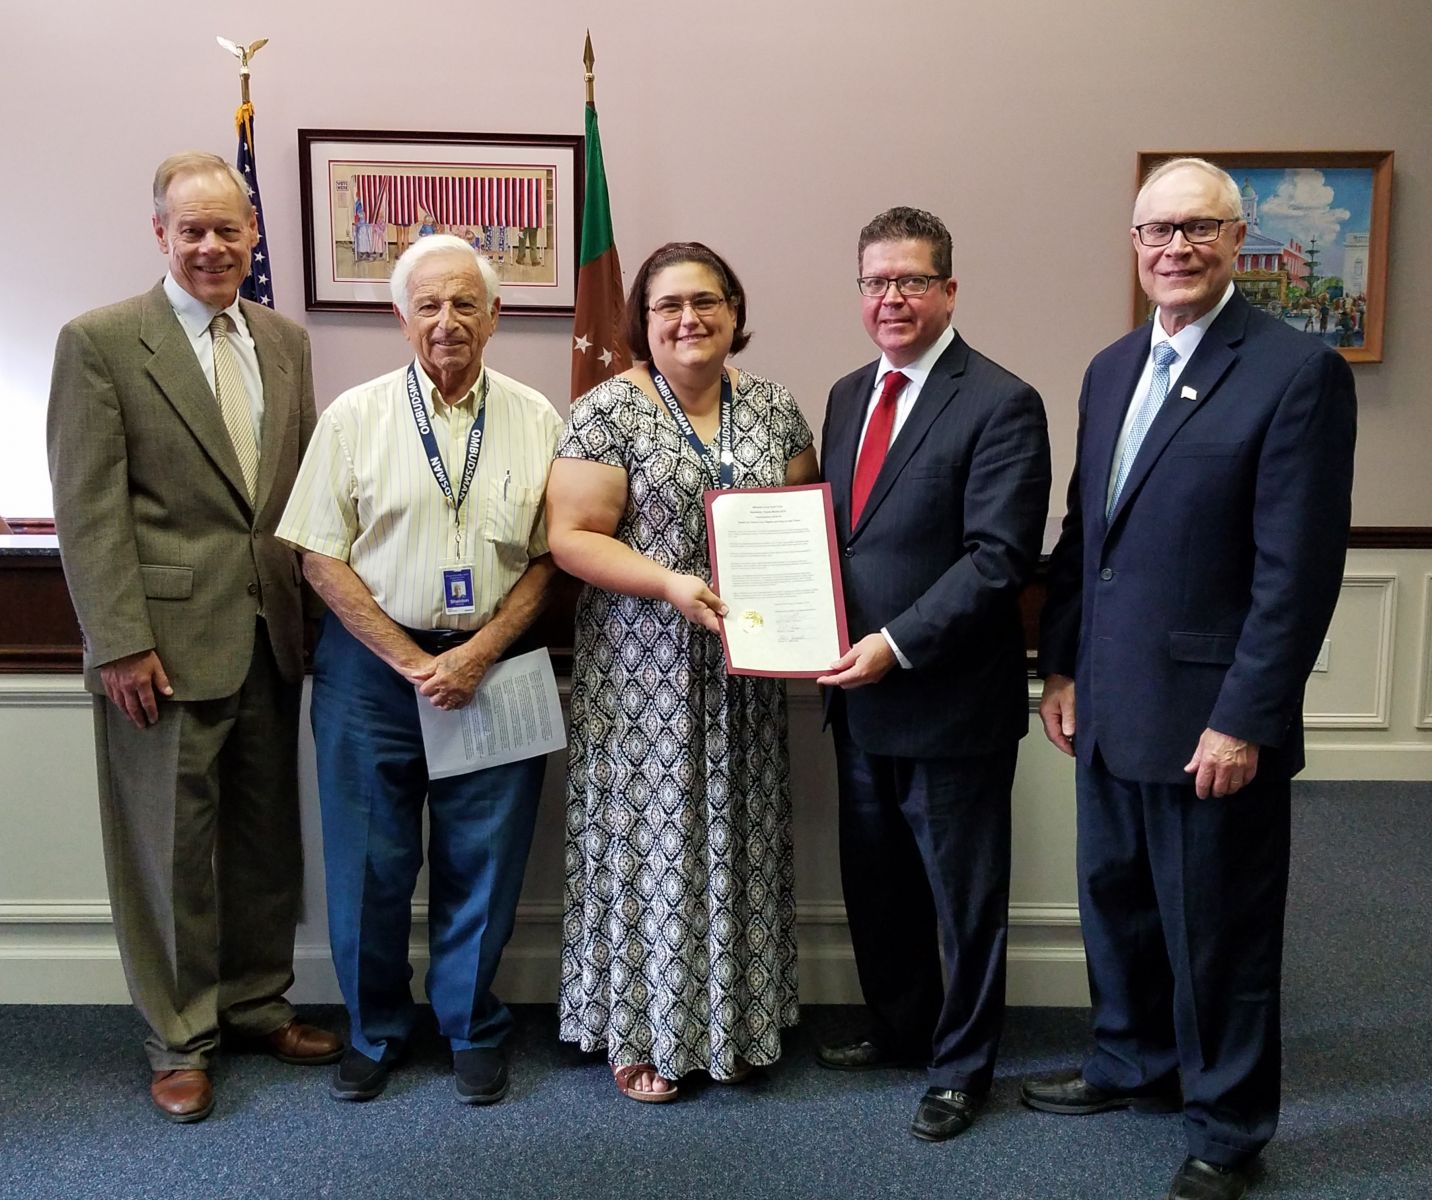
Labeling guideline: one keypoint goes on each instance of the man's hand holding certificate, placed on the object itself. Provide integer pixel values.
(773, 564)
(515, 714)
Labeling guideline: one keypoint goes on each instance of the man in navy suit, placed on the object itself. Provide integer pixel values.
(1194, 578)
(939, 464)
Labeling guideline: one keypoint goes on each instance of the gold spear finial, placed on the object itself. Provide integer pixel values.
(588, 58)
(243, 54)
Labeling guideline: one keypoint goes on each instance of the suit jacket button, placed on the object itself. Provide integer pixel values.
(253, 589)
(1107, 573)
(849, 553)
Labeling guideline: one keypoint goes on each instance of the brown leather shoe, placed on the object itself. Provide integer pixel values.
(184, 1096)
(303, 1045)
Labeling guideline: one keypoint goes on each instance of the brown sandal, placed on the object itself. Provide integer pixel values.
(625, 1076)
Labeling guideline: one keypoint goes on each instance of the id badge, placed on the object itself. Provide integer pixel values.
(458, 595)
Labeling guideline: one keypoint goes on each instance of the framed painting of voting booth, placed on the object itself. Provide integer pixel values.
(368, 195)
(1316, 251)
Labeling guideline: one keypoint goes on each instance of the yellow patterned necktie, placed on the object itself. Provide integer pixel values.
(234, 401)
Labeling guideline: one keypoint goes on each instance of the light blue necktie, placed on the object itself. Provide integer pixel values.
(1164, 357)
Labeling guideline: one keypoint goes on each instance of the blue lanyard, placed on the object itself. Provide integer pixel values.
(721, 468)
(430, 443)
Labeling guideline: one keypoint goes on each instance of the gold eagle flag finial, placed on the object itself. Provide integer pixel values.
(243, 54)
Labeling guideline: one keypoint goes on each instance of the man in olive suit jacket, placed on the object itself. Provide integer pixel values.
(176, 423)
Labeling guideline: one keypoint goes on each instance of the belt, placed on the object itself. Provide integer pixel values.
(435, 641)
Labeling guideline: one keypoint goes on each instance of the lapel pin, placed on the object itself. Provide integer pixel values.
(1188, 394)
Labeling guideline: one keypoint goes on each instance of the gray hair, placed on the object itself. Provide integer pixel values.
(440, 243)
(1231, 197)
(195, 162)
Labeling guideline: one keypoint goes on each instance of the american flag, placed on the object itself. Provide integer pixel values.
(258, 286)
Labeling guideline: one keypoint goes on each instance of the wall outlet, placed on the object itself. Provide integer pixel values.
(1322, 663)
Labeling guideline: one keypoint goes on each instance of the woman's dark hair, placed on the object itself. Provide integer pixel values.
(671, 255)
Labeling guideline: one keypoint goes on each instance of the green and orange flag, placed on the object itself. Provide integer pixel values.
(599, 346)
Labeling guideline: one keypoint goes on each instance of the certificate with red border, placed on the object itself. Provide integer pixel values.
(774, 563)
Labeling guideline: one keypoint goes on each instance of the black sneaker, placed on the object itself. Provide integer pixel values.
(359, 1077)
(480, 1075)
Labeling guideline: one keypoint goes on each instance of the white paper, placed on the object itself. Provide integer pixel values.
(772, 550)
(516, 713)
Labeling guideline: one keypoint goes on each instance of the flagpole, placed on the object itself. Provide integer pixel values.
(258, 285)
(244, 74)
(599, 344)
(588, 60)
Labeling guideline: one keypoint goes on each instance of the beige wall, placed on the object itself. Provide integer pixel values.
(772, 130)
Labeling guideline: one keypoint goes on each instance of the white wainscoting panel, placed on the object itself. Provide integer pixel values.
(1370, 717)
(1355, 692)
(57, 946)
(1424, 673)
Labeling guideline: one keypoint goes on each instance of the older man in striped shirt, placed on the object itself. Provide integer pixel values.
(418, 511)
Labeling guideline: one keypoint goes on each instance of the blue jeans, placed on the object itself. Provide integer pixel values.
(372, 781)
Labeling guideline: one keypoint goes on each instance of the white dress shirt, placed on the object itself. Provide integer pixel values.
(917, 373)
(194, 315)
(1184, 343)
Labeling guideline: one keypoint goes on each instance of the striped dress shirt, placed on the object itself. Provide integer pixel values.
(366, 495)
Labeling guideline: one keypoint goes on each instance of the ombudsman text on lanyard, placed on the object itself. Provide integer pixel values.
(721, 468)
(459, 595)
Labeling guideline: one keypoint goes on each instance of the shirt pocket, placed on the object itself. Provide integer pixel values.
(509, 515)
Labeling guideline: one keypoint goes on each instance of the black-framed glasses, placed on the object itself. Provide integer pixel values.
(875, 286)
(669, 308)
(1195, 232)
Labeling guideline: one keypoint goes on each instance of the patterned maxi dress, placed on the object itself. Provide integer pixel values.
(678, 941)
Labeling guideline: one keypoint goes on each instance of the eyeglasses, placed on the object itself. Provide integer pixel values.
(875, 286)
(1195, 232)
(704, 305)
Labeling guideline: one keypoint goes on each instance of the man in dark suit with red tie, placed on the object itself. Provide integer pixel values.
(938, 461)
(1194, 579)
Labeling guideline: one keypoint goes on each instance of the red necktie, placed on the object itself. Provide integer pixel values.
(877, 442)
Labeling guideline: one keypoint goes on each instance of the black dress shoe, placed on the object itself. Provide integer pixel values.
(1070, 1094)
(859, 1054)
(943, 1114)
(358, 1077)
(480, 1075)
(1199, 1180)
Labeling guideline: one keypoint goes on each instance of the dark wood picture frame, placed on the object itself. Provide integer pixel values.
(449, 182)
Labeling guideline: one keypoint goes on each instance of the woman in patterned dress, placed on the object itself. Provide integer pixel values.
(678, 949)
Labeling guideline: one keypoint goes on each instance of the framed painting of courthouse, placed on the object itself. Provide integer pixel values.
(1315, 255)
(368, 195)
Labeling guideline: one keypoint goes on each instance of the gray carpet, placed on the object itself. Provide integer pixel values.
(1357, 1114)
